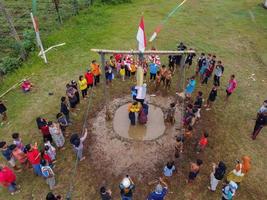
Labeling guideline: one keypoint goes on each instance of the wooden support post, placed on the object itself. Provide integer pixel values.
(106, 95)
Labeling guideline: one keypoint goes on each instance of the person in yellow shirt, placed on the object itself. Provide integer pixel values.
(83, 86)
(95, 68)
(133, 108)
(122, 72)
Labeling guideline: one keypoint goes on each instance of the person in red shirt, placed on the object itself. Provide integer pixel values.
(26, 86)
(34, 157)
(89, 76)
(202, 142)
(8, 179)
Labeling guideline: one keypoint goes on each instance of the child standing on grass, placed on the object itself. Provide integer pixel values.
(8, 179)
(48, 174)
(218, 72)
(202, 142)
(83, 86)
(169, 169)
(191, 85)
(122, 72)
(194, 170)
(231, 87)
(50, 150)
(198, 103)
(179, 146)
(17, 141)
(212, 97)
(56, 134)
(89, 78)
(8, 156)
(19, 155)
(188, 132)
(34, 157)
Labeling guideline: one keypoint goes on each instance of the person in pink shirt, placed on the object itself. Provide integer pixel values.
(26, 86)
(231, 87)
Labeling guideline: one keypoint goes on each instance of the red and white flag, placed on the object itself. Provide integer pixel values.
(141, 36)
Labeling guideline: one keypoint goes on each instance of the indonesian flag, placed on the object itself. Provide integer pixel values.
(141, 36)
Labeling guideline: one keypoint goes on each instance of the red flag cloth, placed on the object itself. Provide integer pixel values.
(141, 36)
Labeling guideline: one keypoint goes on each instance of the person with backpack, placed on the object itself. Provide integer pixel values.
(229, 190)
(217, 174)
(127, 186)
(48, 174)
(77, 143)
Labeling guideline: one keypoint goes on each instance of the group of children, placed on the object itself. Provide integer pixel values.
(122, 66)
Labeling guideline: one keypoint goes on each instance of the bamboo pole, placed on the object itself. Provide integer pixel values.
(13, 87)
(135, 52)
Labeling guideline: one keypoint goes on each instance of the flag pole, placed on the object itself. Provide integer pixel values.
(38, 38)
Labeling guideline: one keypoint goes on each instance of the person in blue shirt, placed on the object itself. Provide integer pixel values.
(191, 85)
(127, 187)
(169, 169)
(160, 191)
(153, 67)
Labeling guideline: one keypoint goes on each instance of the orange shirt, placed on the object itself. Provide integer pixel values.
(95, 69)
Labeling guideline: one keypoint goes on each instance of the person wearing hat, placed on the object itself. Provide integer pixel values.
(51, 196)
(261, 120)
(229, 190)
(160, 191)
(127, 186)
(8, 179)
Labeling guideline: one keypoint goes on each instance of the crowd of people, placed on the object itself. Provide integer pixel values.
(41, 159)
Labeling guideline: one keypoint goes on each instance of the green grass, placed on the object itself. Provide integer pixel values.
(221, 27)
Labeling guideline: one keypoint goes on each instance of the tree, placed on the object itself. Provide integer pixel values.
(13, 30)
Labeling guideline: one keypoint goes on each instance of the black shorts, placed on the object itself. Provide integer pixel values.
(132, 73)
(192, 175)
(228, 93)
(189, 62)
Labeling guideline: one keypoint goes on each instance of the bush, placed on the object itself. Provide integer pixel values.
(27, 42)
(9, 64)
(116, 1)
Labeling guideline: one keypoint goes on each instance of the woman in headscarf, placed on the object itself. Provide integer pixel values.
(216, 175)
(241, 169)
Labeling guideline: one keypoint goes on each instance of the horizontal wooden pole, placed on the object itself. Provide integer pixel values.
(135, 52)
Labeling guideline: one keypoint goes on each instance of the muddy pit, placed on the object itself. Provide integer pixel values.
(153, 129)
(120, 148)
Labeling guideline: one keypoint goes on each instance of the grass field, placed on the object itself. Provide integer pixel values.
(234, 30)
